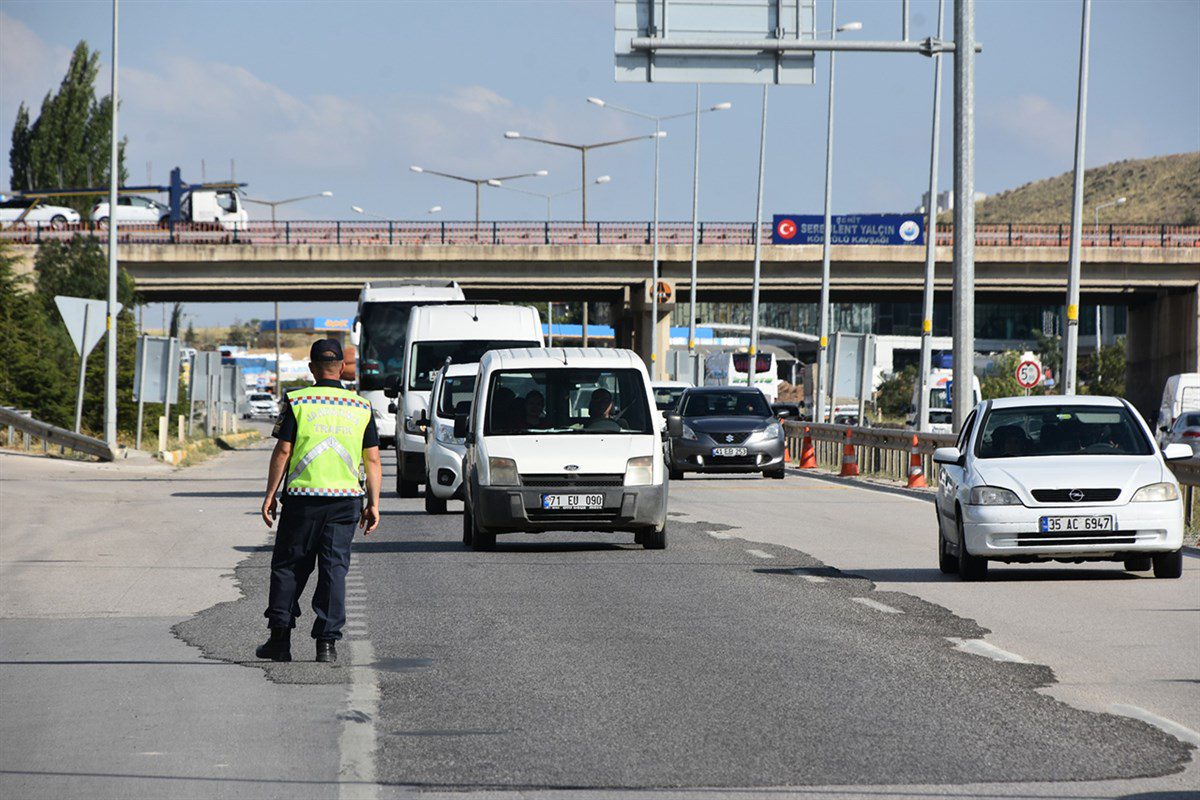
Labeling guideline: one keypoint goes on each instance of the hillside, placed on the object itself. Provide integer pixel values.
(1161, 189)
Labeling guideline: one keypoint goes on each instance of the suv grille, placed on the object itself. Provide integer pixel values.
(1064, 495)
(567, 480)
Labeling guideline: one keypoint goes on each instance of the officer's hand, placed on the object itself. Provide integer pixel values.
(268, 511)
(369, 520)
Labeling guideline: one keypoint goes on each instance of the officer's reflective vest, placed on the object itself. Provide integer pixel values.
(327, 454)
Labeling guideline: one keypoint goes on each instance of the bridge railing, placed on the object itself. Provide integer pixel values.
(403, 232)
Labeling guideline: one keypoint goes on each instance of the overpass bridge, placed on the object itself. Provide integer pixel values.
(1154, 270)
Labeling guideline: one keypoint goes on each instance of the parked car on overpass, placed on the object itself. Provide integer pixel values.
(11, 209)
(1054, 478)
(132, 208)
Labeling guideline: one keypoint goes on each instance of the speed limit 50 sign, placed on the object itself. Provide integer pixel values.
(1029, 374)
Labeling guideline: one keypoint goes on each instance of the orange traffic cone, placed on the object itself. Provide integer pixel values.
(808, 454)
(849, 460)
(916, 472)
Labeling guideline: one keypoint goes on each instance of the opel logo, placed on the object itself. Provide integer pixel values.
(1076, 495)
(571, 467)
(729, 437)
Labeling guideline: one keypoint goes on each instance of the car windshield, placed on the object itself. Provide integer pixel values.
(455, 398)
(726, 404)
(568, 401)
(384, 328)
(667, 397)
(1061, 431)
(429, 357)
(258, 398)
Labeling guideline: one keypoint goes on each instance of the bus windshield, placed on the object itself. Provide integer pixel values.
(384, 328)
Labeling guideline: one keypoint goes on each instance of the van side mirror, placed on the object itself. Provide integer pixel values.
(391, 386)
(460, 427)
(948, 455)
(674, 425)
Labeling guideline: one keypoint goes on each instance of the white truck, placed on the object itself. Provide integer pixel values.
(733, 368)
(379, 332)
(437, 335)
(940, 383)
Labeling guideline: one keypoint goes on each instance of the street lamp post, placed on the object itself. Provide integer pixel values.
(365, 213)
(930, 239)
(479, 182)
(658, 133)
(827, 236)
(1071, 344)
(276, 203)
(549, 196)
(583, 151)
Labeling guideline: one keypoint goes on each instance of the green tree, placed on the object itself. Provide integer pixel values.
(894, 396)
(1001, 378)
(1111, 378)
(69, 144)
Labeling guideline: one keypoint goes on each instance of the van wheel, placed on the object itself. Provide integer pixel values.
(1139, 563)
(480, 539)
(468, 527)
(407, 488)
(970, 568)
(1168, 565)
(655, 539)
(433, 503)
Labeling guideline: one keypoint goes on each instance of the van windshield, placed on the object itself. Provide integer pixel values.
(429, 357)
(456, 395)
(567, 401)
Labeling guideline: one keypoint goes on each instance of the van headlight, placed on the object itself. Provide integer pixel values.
(639, 471)
(1156, 493)
(445, 434)
(689, 434)
(993, 496)
(503, 472)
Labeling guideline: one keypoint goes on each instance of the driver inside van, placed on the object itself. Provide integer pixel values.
(600, 410)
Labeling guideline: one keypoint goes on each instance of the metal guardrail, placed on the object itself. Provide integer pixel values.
(884, 453)
(402, 232)
(50, 435)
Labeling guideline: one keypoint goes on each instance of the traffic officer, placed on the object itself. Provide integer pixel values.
(324, 433)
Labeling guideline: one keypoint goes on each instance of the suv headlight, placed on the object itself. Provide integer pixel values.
(689, 434)
(503, 472)
(1156, 493)
(639, 471)
(993, 496)
(445, 434)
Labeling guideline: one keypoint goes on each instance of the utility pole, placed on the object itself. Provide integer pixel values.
(964, 211)
(110, 345)
(1071, 340)
(930, 239)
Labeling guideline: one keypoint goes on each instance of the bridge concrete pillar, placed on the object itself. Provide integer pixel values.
(634, 333)
(1163, 340)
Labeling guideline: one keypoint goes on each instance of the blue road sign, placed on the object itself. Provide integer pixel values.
(849, 229)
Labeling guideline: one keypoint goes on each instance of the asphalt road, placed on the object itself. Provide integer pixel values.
(793, 634)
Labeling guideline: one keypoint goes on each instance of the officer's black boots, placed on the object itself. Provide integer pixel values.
(326, 650)
(278, 647)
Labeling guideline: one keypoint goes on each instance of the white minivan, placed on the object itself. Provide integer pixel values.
(437, 335)
(453, 390)
(1180, 395)
(563, 439)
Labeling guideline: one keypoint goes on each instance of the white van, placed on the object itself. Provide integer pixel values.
(941, 414)
(460, 334)
(591, 460)
(1181, 393)
(453, 390)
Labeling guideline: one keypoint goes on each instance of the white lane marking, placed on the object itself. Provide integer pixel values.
(979, 647)
(809, 576)
(719, 535)
(1162, 723)
(869, 603)
(759, 553)
(356, 772)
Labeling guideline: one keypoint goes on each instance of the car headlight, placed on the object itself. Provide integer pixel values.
(503, 472)
(772, 431)
(1156, 493)
(445, 434)
(993, 496)
(689, 434)
(639, 471)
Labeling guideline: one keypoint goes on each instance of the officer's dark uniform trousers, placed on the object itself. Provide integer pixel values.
(312, 530)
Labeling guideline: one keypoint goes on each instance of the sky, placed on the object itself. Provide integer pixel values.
(306, 97)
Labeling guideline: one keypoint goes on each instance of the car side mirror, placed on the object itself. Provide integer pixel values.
(1177, 451)
(674, 425)
(391, 408)
(460, 427)
(948, 455)
(391, 386)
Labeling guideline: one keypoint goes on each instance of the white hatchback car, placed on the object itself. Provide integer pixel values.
(11, 209)
(132, 208)
(453, 389)
(1057, 478)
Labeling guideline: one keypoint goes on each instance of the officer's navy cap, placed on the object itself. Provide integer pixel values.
(326, 350)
